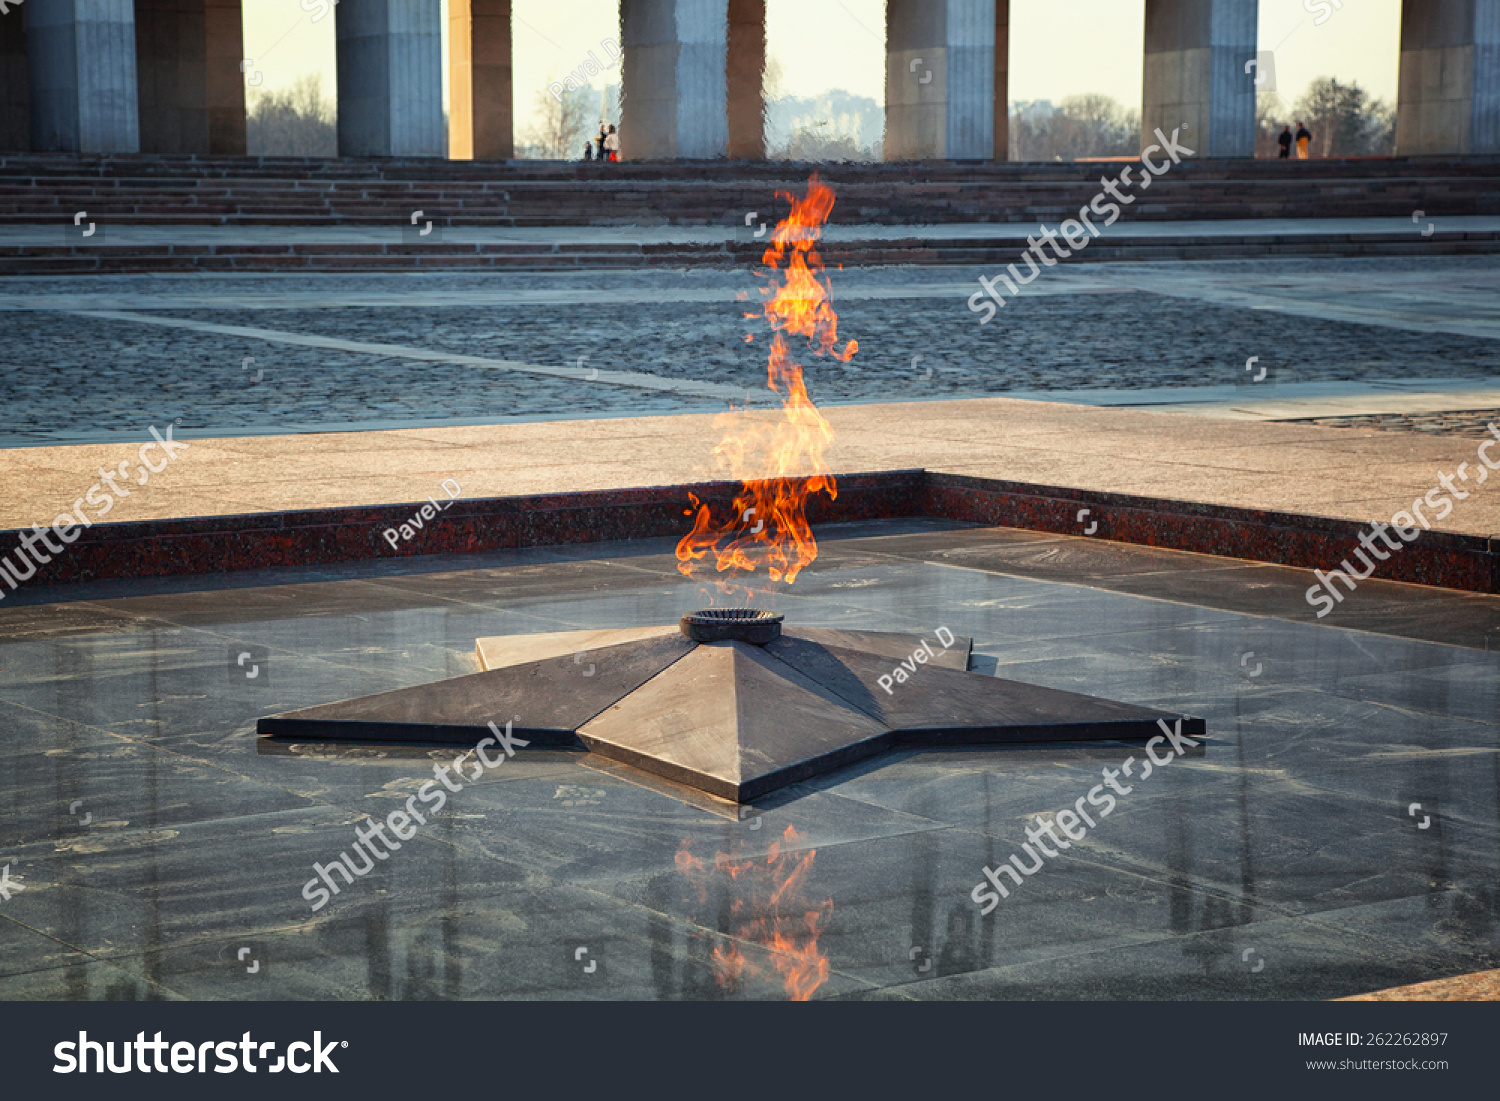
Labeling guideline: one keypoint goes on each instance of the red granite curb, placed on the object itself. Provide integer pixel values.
(218, 544)
(1441, 559)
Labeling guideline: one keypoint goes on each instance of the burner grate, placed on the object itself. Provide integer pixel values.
(753, 625)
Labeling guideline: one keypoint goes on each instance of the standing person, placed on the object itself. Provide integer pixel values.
(1285, 141)
(1304, 139)
(612, 145)
(588, 151)
(600, 145)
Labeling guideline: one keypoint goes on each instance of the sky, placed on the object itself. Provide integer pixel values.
(1058, 48)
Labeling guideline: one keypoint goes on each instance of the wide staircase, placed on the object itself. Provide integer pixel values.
(41, 190)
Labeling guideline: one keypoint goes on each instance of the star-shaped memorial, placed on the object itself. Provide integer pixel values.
(727, 702)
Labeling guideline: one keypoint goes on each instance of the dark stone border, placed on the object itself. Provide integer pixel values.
(1442, 559)
(218, 544)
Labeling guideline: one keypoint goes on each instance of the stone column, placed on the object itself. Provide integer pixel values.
(674, 101)
(1195, 78)
(224, 27)
(192, 93)
(390, 82)
(1449, 97)
(1000, 144)
(81, 75)
(946, 70)
(746, 69)
(481, 116)
(15, 96)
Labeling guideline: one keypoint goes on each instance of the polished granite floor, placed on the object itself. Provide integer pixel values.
(160, 850)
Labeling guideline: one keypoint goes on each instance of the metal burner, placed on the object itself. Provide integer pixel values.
(753, 625)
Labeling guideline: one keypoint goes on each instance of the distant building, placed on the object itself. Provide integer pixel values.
(1032, 111)
(834, 126)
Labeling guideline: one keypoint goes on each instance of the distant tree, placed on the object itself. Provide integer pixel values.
(834, 126)
(1100, 127)
(295, 122)
(564, 123)
(814, 143)
(1091, 125)
(1345, 121)
(1270, 117)
(773, 80)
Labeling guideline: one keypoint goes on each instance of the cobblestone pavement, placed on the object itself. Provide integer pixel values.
(1473, 422)
(67, 375)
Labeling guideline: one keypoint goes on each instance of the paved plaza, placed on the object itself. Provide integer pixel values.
(490, 380)
(258, 354)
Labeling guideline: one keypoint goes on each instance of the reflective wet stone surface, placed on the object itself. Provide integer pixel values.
(1338, 831)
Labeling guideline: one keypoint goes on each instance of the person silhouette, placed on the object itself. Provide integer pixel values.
(612, 145)
(1304, 140)
(1285, 141)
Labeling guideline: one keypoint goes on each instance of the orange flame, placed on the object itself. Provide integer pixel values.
(779, 464)
(768, 909)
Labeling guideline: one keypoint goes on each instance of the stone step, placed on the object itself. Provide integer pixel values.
(248, 191)
(64, 259)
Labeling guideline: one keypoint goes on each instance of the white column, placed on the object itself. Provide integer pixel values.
(1195, 76)
(945, 79)
(674, 85)
(1449, 91)
(81, 61)
(390, 81)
